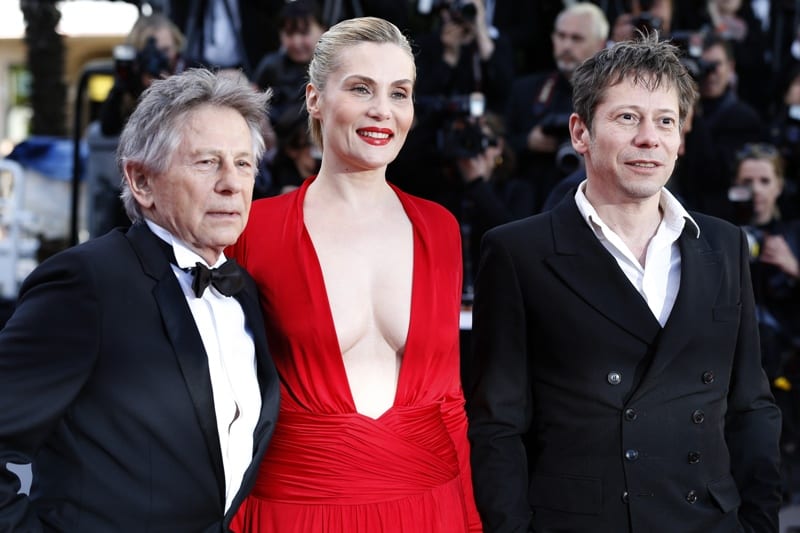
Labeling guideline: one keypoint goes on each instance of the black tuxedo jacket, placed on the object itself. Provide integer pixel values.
(587, 416)
(105, 389)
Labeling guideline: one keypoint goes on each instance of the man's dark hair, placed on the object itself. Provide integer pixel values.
(647, 61)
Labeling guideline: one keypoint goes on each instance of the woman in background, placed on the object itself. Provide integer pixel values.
(775, 249)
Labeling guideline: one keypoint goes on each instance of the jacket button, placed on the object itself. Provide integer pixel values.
(631, 455)
(691, 496)
(625, 497)
(614, 378)
(698, 416)
(694, 458)
(631, 414)
(708, 377)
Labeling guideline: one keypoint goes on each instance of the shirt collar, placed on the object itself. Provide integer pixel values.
(675, 215)
(184, 256)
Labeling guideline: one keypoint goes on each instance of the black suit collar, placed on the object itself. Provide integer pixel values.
(184, 337)
(584, 264)
(192, 358)
(701, 276)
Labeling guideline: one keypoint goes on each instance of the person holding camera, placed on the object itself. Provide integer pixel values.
(491, 194)
(537, 116)
(645, 16)
(463, 71)
(784, 133)
(462, 56)
(774, 252)
(731, 121)
(151, 51)
(775, 249)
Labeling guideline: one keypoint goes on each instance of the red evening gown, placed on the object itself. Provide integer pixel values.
(329, 468)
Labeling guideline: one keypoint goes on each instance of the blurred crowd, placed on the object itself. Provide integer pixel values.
(493, 100)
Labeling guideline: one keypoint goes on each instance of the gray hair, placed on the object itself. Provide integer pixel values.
(331, 48)
(600, 25)
(647, 61)
(154, 130)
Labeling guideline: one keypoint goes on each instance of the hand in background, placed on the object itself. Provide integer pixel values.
(776, 252)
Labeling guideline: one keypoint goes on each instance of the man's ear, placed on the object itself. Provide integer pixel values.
(579, 134)
(312, 101)
(139, 183)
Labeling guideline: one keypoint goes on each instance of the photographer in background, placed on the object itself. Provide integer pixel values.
(461, 56)
(491, 194)
(462, 71)
(537, 116)
(645, 16)
(775, 249)
(731, 121)
(784, 133)
(152, 50)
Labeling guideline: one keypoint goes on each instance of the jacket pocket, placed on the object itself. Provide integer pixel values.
(725, 493)
(569, 494)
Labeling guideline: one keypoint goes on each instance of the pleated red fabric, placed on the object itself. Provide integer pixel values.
(329, 468)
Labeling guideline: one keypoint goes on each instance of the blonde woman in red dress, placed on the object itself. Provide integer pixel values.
(360, 286)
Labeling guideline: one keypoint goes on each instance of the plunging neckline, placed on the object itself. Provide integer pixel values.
(330, 326)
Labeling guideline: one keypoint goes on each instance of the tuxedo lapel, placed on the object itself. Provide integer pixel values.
(584, 265)
(700, 280)
(270, 393)
(186, 342)
(248, 299)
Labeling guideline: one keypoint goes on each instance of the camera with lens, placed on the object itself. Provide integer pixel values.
(557, 125)
(741, 199)
(458, 132)
(461, 11)
(463, 138)
(785, 134)
(130, 65)
(698, 67)
(647, 23)
(755, 241)
(688, 42)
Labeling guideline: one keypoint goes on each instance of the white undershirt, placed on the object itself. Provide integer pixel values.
(761, 12)
(659, 279)
(231, 365)
(219, 46)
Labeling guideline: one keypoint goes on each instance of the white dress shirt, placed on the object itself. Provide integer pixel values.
(231, 364)
(659, 279)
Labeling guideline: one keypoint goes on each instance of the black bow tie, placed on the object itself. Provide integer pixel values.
(227, 278)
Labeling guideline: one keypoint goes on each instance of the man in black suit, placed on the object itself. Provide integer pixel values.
(539, 104)
(143, 400)
(616, 384)
(731, 123)
(227, 34)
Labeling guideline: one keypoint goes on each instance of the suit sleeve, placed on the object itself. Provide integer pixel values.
(47, 350)
(498, 393)
(753, 422)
